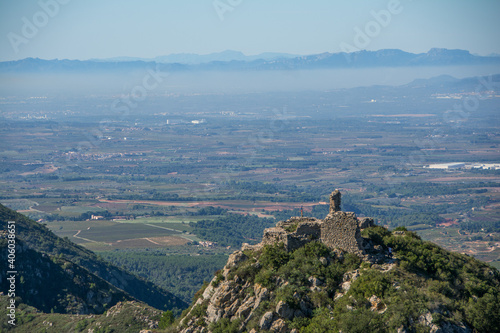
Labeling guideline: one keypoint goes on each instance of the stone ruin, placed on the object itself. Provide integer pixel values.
(335, 199)
(338, 230)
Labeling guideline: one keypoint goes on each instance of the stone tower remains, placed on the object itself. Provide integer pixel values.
(335, 202)
(338, 230)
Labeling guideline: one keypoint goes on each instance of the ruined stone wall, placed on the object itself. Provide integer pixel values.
(274, 235)
(340, 230)
(293, 233)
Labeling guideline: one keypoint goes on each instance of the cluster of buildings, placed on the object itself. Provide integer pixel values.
(207, 244)
(460, 165)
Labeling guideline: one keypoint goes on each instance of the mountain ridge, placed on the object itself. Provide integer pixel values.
(193, 58)
(41, 240)
(359, 59)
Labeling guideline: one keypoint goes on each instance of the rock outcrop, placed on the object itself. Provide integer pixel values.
(308, 271)
(236, 299)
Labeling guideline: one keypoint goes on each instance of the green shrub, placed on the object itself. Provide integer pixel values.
(484, 313)
(224, 325)
(320, 299)
(376, 234)
(200, 310)
(371, 283)
(166, 319)
(81, 325)
(359, 320)
(292, 228)
(285, 294)
(265, 277)
(245, 271)
(322, 321)
(351, 261)
(218, 279)
(274, 256)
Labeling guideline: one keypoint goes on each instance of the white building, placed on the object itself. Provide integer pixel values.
(447, 166)
(486, 166)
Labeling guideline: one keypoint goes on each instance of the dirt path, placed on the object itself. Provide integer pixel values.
(230, 204)
(149, 240)
(156, 226)
(85, 239)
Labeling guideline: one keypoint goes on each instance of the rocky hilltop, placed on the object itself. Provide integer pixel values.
(344, 274)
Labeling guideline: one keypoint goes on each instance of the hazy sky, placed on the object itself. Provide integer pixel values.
(83, 29)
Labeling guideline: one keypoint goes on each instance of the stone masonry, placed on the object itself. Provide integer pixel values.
(339, 230)
(335, 202)
(294, 232)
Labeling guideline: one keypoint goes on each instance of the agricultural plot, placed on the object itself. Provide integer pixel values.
(480, 245)
(20, 204)
(159, 180)
(107, 235)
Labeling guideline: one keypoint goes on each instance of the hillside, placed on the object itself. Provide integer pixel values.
(124, 317)
(53, 284)
(344, 274)
(43, 246)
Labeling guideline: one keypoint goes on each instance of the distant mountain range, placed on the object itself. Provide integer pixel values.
(237, 61)
(195, 59)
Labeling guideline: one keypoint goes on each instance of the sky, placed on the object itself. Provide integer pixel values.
(78, 29)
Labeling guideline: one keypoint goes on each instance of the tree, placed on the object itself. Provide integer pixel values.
(167, 319)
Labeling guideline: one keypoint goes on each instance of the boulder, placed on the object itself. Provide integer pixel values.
(266, 320)
(305, 308)
(231, 310)
(261, 294)
(377, 304)
(315, 282)
(323, 261)
(279, 326)
(245, 308)
(365, 222)
(443, 327)
(213, 313)
(284, 310)
(223, 294)
(235, 258)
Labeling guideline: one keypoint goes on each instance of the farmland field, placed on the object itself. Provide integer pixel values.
(152, 181)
